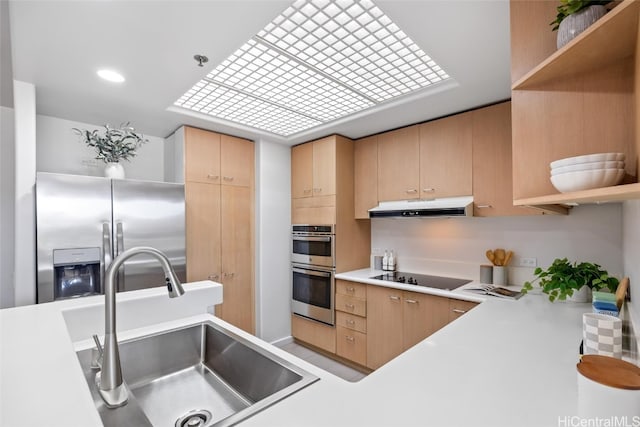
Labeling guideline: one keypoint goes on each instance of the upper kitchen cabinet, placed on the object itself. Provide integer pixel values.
(365, 176)
(313, 169)
(202, 156)
(445, 157)
(236, 155)
(579, 99)
(399, 164)
(492, 171)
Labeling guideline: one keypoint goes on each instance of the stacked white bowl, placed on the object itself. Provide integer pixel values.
(587, 172)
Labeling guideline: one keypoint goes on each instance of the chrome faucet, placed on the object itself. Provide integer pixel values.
(109, 380)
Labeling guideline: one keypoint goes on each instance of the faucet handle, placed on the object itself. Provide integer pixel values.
(96, 354)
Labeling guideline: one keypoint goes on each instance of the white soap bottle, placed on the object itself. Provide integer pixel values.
(385, 260)
(392, 262)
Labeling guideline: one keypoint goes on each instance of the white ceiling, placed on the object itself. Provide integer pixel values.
(59, 45)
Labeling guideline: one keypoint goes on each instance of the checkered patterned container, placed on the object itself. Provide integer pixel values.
(602, 335)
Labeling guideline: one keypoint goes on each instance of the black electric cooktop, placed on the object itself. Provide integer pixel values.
(446, 283)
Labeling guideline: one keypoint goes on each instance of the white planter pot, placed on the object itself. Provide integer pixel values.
(574, 24)
(581, 295)
(114, 170)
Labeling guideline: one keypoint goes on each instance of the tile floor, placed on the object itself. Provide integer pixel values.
(336, 368)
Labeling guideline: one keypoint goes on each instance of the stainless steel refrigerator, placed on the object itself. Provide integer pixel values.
(84, 222)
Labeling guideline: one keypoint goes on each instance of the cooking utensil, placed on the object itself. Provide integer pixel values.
(507, 258)
(499, 255)
(490, 256)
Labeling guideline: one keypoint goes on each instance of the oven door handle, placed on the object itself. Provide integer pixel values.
(312, 272)
(312, 238)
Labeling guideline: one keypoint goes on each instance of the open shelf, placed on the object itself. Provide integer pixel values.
(611, 38)
(616, 193)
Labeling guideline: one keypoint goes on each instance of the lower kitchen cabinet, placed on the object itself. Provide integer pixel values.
(397, 320)
(351, 345)
(315, 333)
(351, 321)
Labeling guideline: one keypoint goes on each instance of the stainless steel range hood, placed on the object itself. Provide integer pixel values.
(445, 207)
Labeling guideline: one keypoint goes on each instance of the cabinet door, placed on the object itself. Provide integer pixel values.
(445, 157)
(302, 171)
(324, 167)
(365, 176)
(422, 316)
(202, 203)
(202, 156)
(351, 345)
(399, 164)
(459, 307)
(492, 170)
(237, 161)
(384, 325)
(237, 257)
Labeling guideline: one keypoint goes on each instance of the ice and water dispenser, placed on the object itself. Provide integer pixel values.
(76, 272)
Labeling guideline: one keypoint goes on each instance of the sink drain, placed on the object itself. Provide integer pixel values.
(195, 418)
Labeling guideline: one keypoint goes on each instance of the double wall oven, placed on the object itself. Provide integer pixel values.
(313, 270)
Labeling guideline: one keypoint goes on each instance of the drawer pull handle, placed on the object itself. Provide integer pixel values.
(350, 306)
(317, 190)
(211, 176)
(351, 289)
(411, 301)
(428, 190)
(307, 191)
(483, 206)
(457, 310)
(351, 322)
(350, 338)
(394, 298)
(213, 277)
(227, 178)
(411, 191)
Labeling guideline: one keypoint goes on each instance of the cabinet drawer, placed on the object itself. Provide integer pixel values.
(351, 305)
(315, 333)
(459, 307)
(351, 345)
(352, 289)
(351, 321)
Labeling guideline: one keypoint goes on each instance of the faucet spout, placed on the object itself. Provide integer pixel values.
(111, 386)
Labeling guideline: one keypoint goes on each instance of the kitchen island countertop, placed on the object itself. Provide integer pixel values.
(505, 363)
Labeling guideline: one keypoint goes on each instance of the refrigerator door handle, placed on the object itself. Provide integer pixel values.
(106, 252)
(119, 250)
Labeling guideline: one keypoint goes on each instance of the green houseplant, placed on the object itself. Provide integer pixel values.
(569, 7)
(575, 16)
(563, 278)
(113, 144)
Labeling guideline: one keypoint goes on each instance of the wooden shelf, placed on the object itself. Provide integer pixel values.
(610, 39)
(617, 193)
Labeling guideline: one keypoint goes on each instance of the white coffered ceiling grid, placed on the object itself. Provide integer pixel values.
(318, 61)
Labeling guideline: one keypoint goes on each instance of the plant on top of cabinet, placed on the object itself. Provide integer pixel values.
(575, 16)
(562, 279)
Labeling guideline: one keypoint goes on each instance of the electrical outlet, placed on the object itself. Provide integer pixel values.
(528, 262)
(90, 162)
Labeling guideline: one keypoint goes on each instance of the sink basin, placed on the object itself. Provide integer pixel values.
(199, 375)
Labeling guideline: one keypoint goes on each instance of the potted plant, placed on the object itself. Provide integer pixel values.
(575, 16)
(113, 145)
(563, 279)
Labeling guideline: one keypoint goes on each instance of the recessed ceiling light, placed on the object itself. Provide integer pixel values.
(110, 75)
(318, 61)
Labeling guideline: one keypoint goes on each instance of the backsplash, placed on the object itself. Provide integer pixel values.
(589, 233)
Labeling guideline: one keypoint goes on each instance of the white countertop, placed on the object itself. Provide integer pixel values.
(505, 363)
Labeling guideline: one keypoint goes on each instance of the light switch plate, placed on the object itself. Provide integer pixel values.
(528, 262)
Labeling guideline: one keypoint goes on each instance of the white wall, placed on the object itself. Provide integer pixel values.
(7, 206)
(60, 150)
(273, 230)
(24, 97)
(631, 244)
(588, 233)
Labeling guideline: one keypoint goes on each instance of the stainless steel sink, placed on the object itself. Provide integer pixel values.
(200, 375)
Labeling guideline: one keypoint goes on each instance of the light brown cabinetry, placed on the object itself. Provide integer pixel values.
(219, 220)
(492, 171)
(570, 101)
(459, 307)
(445, 157)
(351, 318)
(302, 171)
(313, 169)
(365, 176)
(397, 320)
(399, 164)
(314, 333)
